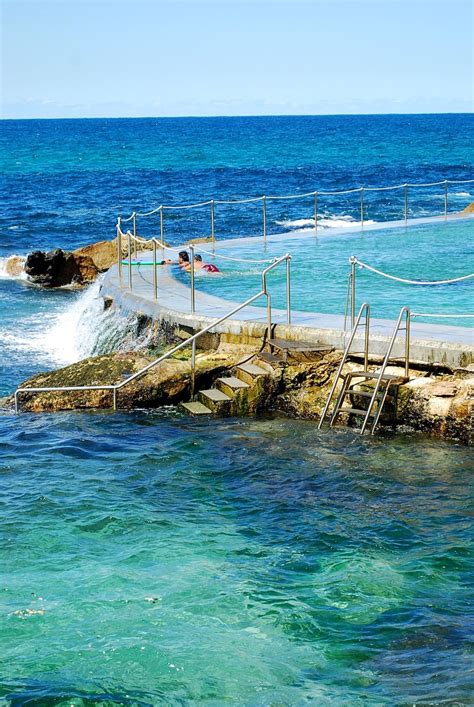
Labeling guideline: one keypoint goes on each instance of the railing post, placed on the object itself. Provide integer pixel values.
(134, 222)
(119, 249)
(315, 211)
(406, 202)
(213, 233)
(288, 288)
(269, 315)
(114, 398)
(407, 343)
(362, 206)
(129, 260)
(367, 338)
(193, 367)
(162, 228)
(264, 217)
(193, 290)
(445, 198)
(352, 261)
(155, 274)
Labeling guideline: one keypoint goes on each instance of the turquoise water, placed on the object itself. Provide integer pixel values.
(320, 268)
(148, 558)
(252, 562)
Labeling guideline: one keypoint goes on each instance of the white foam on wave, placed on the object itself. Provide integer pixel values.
(306, 224)
(4, 275)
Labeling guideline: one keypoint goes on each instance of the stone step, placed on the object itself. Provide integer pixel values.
(271, 358)
(231, 385)
(215, 400)
(248, 372)
(196, 408)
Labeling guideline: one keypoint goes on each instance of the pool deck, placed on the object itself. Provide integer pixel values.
(452, 346)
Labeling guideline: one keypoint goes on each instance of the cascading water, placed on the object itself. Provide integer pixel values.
(46, 329)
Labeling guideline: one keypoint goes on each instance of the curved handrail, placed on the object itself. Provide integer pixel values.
(192, 339)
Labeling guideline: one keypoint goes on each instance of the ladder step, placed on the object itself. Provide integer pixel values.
(374, 375)
(351, 391)
(196, 408)
(354, 411)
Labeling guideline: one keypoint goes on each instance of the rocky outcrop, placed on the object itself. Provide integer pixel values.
(58, 268)
(14, 265)
(439, 405)
(166, 384)
(469, 209)
(103, 254)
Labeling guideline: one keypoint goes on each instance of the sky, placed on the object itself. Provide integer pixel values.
(137, 58)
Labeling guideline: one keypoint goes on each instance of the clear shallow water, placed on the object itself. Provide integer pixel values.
(152, 558)
(320, 268)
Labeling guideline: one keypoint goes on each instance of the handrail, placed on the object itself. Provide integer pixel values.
(404, 312)
(365, 307)
(192, 339)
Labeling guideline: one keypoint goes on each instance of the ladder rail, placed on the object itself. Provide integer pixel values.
(364, 309)
(404, 312)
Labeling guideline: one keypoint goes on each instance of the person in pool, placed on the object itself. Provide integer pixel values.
(183, 260)
(199, 265)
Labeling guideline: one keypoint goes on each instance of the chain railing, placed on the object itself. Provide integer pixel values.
(355, 263)
(314, 195)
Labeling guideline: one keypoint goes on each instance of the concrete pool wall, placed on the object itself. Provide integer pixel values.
(437, 344)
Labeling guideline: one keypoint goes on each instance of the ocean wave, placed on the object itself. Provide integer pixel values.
(306, 224)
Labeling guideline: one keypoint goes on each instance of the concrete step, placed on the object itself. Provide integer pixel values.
(271, 358)
(248, 372)
(287, 345)
(196, 408)
(231, 385)
(215, 400)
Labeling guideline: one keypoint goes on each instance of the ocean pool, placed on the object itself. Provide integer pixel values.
(429, 251)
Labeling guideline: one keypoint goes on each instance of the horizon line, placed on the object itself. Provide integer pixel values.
(250, 115)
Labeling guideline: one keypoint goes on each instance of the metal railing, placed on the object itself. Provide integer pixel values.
(404, 312)
(315, 196)
(354, 262)
(363, 311)
(273, 262)
(114, 388)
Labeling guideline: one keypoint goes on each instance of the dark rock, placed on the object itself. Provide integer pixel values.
(58, 268)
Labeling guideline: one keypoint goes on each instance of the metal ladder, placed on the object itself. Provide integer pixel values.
(383, 380)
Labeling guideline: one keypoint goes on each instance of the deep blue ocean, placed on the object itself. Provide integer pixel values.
(147, 558)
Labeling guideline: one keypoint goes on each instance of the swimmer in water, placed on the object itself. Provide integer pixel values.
(207, 267)
(183, 260)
